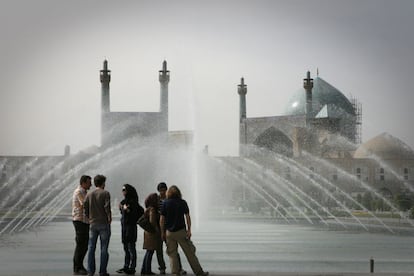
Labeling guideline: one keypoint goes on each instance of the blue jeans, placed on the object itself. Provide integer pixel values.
(130, 256)
(146, 264)
(104, 233)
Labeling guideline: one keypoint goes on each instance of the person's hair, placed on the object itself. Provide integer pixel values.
(173, 192)
(99, 180)
(152, 201)
(84, 178)
(131, 192)
(162, 185)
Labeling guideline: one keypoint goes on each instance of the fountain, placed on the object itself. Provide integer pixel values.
(269, 189)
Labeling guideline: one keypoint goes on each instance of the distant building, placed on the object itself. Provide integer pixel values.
(118, 126)
(321, 121)
(311, 117)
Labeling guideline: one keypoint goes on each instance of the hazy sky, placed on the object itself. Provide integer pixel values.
(51, 53)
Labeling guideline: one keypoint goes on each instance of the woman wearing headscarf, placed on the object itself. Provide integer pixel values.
(129, 211)
(151, 240)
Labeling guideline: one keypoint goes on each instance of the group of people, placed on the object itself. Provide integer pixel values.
(167, 213)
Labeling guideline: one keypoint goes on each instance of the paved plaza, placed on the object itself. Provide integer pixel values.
(227, 248)
(238, 273)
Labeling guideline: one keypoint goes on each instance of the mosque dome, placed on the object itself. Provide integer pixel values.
(91, 150)
(384, 146)
(323, 94)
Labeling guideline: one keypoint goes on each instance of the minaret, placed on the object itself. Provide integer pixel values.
(242, 90)
(164, 77)
(308, 85)
(105, 76)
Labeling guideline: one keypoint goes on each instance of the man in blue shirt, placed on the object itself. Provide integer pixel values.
(177, 231)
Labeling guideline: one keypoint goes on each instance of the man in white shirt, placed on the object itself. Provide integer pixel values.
(81, 224)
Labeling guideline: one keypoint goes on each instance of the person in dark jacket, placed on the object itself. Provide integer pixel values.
(175, 222)
(162, 190)
(129, 211)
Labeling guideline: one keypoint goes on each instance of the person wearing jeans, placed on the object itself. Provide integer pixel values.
(162, 190)
(129, 211)
(103, 231)
(98, 210)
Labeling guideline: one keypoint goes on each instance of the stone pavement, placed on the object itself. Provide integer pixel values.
(242, 274)
(237, 249)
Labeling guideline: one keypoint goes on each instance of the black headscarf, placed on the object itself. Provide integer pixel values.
(131, 199)
(131, 193)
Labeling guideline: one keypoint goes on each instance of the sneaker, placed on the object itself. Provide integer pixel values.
(104, 274)
(205, 273)
(183, 272)
(162, 271)
(121, 270)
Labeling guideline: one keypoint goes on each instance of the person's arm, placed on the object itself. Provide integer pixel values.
(188, 222)
(121, 206)
(162, 227)
(80, 198)
(107, 207)
(153, 219)
(86, 206)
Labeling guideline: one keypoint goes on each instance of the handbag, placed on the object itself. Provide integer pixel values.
(145, 224)
(140, 211)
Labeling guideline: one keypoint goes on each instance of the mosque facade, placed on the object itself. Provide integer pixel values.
(321, 122)
(318, 122)
(117, 126)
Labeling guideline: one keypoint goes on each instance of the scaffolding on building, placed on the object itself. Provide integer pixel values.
(358, 119)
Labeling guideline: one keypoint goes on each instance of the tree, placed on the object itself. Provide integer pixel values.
(404, 201)
(367, 201)
(411, 213)
(359, 198)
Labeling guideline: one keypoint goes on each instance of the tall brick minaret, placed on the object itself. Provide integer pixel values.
(105, 76)
(242, 90)
(308, 85)
(164, 78)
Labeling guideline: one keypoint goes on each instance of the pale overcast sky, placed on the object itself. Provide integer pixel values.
(51, 53)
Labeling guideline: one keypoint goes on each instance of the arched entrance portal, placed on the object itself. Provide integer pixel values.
(275, 140)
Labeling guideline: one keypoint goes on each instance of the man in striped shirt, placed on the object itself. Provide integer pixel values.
(80, 222)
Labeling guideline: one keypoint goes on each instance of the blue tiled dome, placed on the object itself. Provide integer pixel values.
(322, 94)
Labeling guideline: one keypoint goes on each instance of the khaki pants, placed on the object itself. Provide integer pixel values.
(180, 238)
